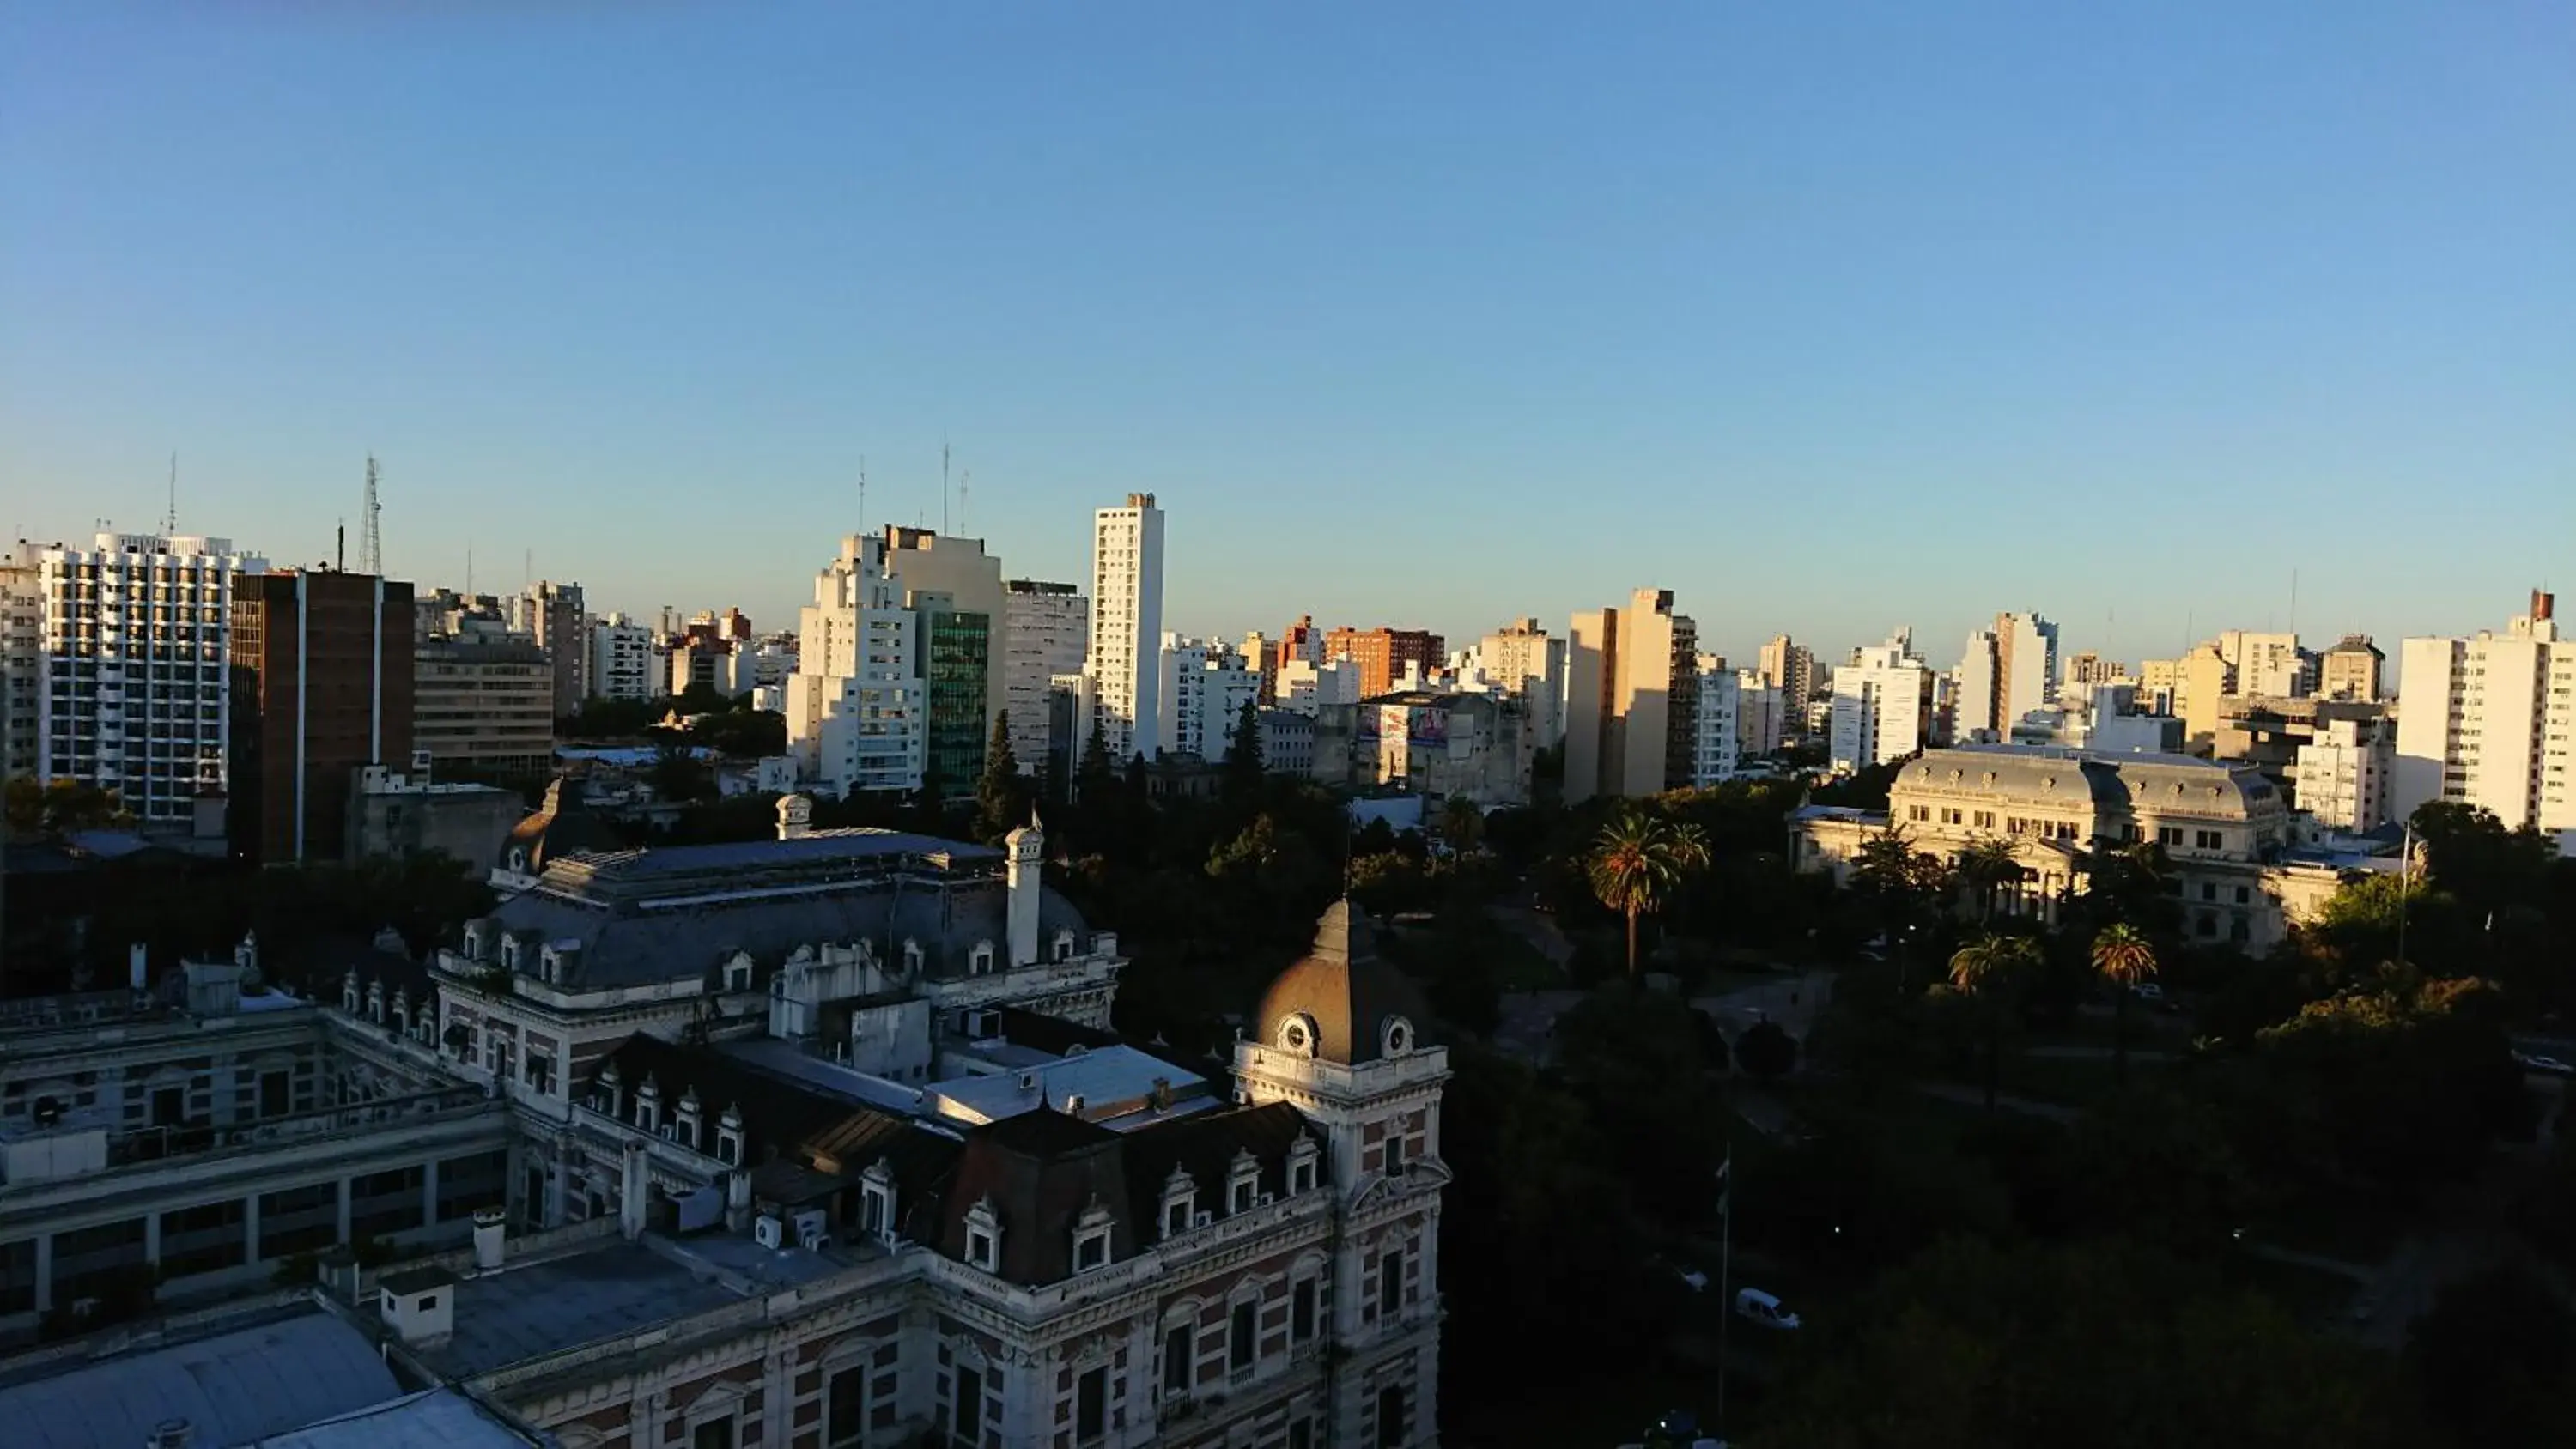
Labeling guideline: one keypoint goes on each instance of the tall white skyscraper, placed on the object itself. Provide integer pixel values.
(1882, 705)
(621, 664)
(1048, 625)
(1718, 742)
(2488, 722)
(856, 717)
(1204, 687)
(1127, 627)
(2009, 670)
(137, 693)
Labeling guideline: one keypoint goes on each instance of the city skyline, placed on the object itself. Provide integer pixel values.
(2298, 283)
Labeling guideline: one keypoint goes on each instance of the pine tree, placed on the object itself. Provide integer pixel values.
(1243, 763)
(997, 792)
(1095, 778)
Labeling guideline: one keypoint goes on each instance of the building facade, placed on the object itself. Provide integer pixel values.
(2489, 722)
(2350, 670)
(1127, 626)
(622, 660)
(1719, 748)
(1205, 688)
(22, 658)
(954, 589)
(1789, 667)
(1631, 699)
(856, 716)
(484, 705)
(322, 688)
(1429, 743)
(555, 618)
(1044, 639)
(2224, 829)
(137, 688)
(1383, 654)
(1882, 706)
(1521, 658)
(2345, 771)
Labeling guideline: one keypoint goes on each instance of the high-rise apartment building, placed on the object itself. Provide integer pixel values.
(1717, 746)
(323, 670)
(1789, 667)
(955, 592)
(1127, 626)
(1204, 688)
(2345, 770)
(2490, 722)
(1882, 707)
(1301, 640)
(483, 704)
(1520, 658)
(2025, 666)
(2088, 669)
(1043, 638)
(22, 657)
(622, 661)
(1631, 699)
(137, 693)
(554, 617)
(1761, 715)
(2266, 664)
(1976, 691)
(855, 708)
(1383, 653)
(2350, 670)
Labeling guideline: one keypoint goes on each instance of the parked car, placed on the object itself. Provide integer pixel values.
(1691, 1278)
(1756, 1306)
(2150, 993)
(2547, 1066)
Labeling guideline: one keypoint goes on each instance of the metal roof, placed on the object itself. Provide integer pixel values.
(431, 1419)
(231, 1388)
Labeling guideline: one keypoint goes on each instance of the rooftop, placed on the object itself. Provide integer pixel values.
(431, 1419)
(553, 1304)
(1112, 1083)
(233, 1388)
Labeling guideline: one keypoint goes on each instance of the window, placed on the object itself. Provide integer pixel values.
(1176, 1217)
(2168, 835)
(1301, 1434)
(1391, 1416)
(1395, 1154)
(1091, 1405)
(1390, 1283)
(1239, 1197)
(966, 1418)
(2210, 840)
(1301, 1311)
(979, 1248)
(980, 963)
(845, 1408)
(1091, 1252)
(1179, 1358)
(1985, 820)
(713, 1434)
(1301, 1175)
(2244, 896)
(2209, 890)
(1243, 1341)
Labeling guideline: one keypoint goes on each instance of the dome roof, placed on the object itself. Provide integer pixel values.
(1340, 998)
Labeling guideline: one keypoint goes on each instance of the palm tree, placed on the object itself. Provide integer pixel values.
(1987, 970)
(1637, 861)
(2122, 957)
(1985, 865)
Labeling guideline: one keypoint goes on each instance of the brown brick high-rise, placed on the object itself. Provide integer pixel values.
(1382, 654)
(322, 684)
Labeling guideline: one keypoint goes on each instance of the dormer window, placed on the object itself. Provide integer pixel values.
(648, 1106)
(349, 993)
(509, 953)
(1297, 1035)
(737, 974)
(984, 1237)
(876, 1201)
(1180, 1201)
(685, 1125)
(607, 1097)
(729, 1136)
(1242, 1180)
(1302, 1162)
(1397, 1038)
(980, 962)
(1091, 1238)
(376, 1002)
(911, 957)
(1063, 945)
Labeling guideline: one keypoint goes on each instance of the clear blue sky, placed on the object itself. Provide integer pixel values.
(1826, 316)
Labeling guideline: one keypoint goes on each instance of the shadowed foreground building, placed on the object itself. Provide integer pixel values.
(820, 1142)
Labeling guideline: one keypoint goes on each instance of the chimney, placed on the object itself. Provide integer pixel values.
(795, 817)
(1026, 847)
(634, 1194)
(2541, 604)
(490, 1232)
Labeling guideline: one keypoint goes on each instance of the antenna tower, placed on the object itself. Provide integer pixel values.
(863, 493)
(943, 486)
(170, 520)
(371, 543)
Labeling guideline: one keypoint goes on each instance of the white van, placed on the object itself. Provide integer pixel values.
(1759, 1307)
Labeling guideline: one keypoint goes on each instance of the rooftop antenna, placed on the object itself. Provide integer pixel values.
(863, 493)
(527, 569)
(469, 568)
(2294, 602)
(943, 485)
(170, 520)
(371, 544)
(340, 548)
(962, 480)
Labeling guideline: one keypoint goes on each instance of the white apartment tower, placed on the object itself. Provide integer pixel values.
(1204, 687)
(1882, 706)
(1045, 639)
(855, 705)
(137, 695)
(1718, 741)
(1521, 659)
(622, 663)
(2489, 722)
(1127, 626)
